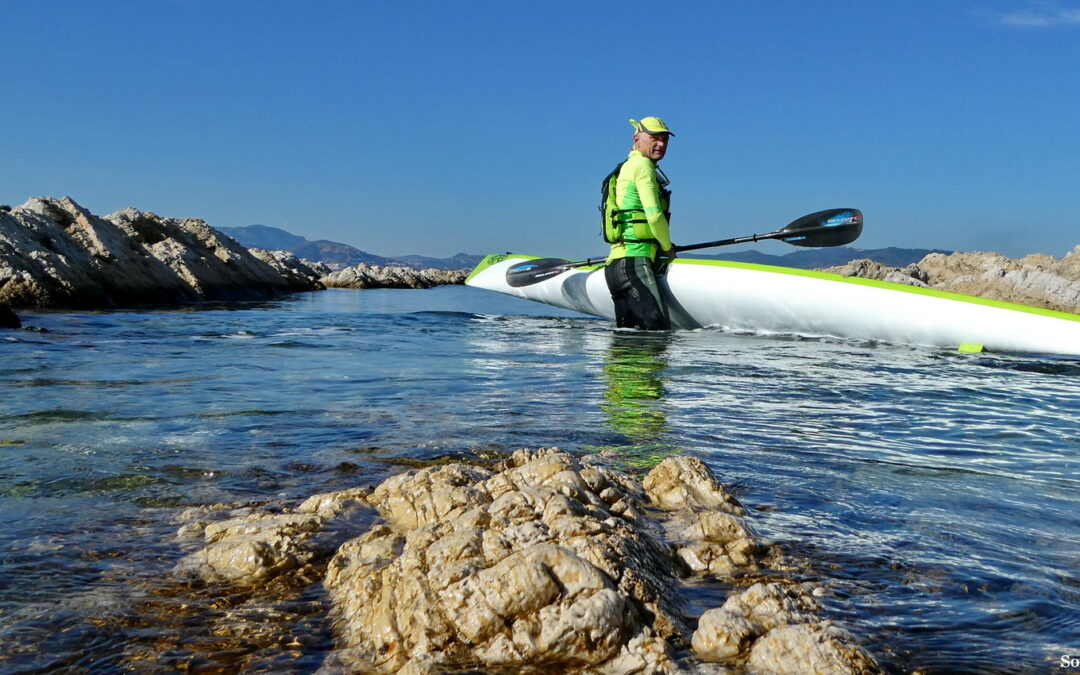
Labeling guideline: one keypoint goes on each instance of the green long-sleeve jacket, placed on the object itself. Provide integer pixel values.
(638, 189)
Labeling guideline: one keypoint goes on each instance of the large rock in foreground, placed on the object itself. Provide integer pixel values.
(546, 563)
(1038, 280)
(391, 276)
(55, 253)
(528, 567)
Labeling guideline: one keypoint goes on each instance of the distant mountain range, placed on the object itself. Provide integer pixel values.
(334, 254)
(816, 258)
(340, 256)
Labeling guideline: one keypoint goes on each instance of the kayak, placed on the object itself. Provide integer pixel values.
(747, 297)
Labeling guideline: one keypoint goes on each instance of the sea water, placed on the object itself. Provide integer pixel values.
(936, 495)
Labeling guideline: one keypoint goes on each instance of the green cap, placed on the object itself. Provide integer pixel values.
(651, 125)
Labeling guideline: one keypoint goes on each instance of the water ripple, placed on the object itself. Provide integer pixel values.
(937, 495)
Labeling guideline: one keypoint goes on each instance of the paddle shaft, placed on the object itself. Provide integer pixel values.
(555, 271)
(779, 234)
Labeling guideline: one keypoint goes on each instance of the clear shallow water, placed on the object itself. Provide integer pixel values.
(936, 494)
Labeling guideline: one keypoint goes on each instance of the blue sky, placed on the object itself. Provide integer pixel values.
(434, 128)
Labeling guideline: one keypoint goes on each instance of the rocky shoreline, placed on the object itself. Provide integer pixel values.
(389, 276)
(56, 254)
(1037, 280)
(541, 562)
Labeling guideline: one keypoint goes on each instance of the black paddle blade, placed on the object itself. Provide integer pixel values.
(834, 227)
(534, 271)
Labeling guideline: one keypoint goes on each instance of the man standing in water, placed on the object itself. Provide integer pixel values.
(636, 217)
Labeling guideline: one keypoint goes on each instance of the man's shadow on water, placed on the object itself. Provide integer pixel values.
(635, 372)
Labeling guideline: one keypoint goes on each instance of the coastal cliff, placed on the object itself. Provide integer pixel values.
(55, 253)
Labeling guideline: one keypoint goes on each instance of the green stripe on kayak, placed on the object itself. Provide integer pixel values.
(493, 259)
(889, 285)
(487, 262)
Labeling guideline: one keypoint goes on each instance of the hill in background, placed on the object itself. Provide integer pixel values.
(261, 236)
(334, 254)
(817, 258)
(339, 256)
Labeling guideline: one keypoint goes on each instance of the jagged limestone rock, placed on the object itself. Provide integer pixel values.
(392, 276)
(545, 562)
(687, 483)
(771, 604)
(723, 635)
(775, 627)
(302, 274)
(334, 504)
(55, 253)
(526, 567)
(1038, 280)
(810, 649)
(718, 543)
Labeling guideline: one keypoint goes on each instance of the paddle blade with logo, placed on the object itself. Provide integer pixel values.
(833, 227)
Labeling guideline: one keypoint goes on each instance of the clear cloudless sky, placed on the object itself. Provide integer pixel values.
(438, 127)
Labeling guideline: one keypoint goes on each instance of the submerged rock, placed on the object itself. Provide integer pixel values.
(392, 276)
(705, 521)
(775, 627)
(254, 546)
(1038, 280)
(250, 550)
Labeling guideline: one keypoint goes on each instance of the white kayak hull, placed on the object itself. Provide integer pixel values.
(765, 299)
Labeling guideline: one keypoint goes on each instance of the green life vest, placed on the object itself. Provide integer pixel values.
(613, 220)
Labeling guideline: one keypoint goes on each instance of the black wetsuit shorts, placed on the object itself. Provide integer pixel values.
(638, 303)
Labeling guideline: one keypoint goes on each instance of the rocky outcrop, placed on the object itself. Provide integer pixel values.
(527, 567)
(809, 648)
(376, 276)
(55, 253)
(1038, 280)
(777, 627)
(545, 562)
(301, 273)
